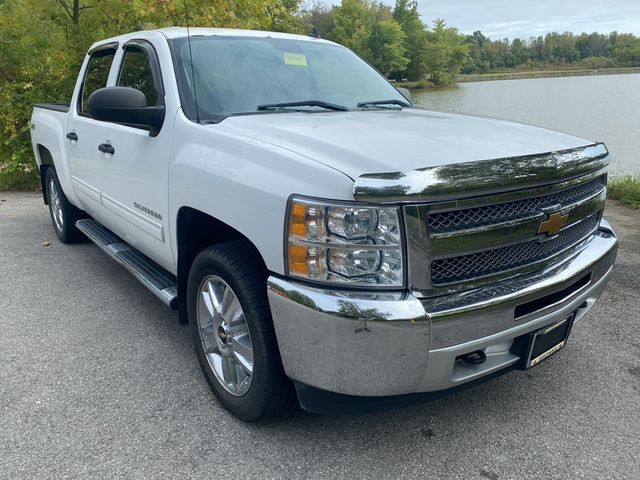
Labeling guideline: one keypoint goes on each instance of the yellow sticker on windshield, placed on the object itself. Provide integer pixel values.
(295, 59)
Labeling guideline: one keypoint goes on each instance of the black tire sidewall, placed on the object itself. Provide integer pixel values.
(70, 213)
(252, 405)
(52, 176)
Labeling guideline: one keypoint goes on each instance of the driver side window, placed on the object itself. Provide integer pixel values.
(136, 73)
(95, 77)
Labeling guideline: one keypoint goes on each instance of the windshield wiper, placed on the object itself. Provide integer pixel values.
(304, 103)
(384, 102)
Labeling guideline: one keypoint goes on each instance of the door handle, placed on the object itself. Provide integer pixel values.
(106, 148)
(73, 136)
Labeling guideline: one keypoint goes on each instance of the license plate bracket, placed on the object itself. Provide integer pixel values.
(547, 341)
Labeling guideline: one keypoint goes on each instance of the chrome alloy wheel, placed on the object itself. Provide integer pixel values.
(225, 336)
(56, 205)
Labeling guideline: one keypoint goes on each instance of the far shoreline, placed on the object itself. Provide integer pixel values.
(577, 72)
(519, 75)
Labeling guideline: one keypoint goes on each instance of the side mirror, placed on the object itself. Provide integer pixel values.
(404, 92)
(127, 106)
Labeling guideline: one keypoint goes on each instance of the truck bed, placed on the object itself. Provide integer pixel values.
(56, 107)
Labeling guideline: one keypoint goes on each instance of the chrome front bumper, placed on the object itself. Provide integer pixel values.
(379, 344)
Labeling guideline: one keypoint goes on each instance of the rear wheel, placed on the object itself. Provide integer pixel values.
(233, 332)
(63, 214)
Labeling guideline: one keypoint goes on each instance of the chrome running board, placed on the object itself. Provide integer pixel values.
(161, 283)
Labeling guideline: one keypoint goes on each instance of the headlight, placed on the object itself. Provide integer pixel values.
(344, 243)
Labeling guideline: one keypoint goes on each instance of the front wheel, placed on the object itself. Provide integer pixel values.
(233, 332)
(63, 214)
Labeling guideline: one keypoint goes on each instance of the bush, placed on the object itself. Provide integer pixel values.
(597, 62)
(422, 84)
(626, 189)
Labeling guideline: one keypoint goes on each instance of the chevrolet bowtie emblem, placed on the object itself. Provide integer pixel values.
(553, 224)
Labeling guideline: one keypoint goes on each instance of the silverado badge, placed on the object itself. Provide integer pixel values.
(552, 225)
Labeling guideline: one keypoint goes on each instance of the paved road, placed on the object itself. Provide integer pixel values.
(98, 380)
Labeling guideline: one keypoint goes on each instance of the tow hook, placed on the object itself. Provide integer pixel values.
(474, 358)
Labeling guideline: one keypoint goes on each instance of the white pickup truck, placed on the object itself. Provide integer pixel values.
(319, 233)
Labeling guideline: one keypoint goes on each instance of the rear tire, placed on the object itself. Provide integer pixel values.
(235, 341)
(63, 215)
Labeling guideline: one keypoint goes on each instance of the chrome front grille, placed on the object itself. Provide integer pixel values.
(479, 264)
(487, 215)
(458, 244)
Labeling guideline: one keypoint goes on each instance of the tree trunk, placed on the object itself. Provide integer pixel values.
(76, 12)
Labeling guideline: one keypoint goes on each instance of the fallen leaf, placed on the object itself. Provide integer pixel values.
(46, 243)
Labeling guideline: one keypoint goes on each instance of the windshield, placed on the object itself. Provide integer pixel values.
(236, 75)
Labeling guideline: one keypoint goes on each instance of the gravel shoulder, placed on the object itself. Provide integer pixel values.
(98, 380)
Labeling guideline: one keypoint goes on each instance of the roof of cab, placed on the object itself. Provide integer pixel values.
(177, 32)
(181, 32)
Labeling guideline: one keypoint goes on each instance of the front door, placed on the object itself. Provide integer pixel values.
(134, 180)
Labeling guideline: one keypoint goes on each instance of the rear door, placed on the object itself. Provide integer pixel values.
(82, 132)
(134, 179)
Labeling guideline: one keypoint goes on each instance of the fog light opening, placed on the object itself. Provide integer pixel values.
(474, 358)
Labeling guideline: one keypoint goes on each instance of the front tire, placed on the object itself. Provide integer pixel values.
(63, 215)
(233, 331)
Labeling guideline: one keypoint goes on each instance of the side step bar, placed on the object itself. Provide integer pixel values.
(161, 283)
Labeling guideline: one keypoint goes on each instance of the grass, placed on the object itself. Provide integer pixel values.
(626, 189)
(18, 181)
(417, 85)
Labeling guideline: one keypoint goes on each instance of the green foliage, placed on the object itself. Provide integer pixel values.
(44, 43)
(597, 63)
(386, 47)
(422, 84)
(554, 50)
(395, 41)
(369, 30)
(319, 16)
(352, 22)
(446, 53)
(415, 41)
(626, 189)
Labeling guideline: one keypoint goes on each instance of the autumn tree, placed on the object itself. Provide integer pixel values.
(44, 43)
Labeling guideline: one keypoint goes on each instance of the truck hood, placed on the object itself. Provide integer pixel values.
(361, 142)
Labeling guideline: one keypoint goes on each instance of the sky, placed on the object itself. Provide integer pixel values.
(526, 18)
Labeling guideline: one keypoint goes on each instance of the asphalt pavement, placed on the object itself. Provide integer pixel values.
(98, 380)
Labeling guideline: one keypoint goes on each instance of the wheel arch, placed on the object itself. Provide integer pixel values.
(46, 161)
(195, 231)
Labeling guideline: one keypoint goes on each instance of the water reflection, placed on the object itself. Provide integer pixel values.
(599, 108)
(493, 175)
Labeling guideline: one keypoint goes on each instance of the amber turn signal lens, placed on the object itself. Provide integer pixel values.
(298, 259)
(298, 225)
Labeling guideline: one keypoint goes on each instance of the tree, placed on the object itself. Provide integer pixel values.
(446, 53)
(318, 16)
(73, 9)
(352, 22)
(369, 30)
(386, 47)
(415, 40)
(57, 34)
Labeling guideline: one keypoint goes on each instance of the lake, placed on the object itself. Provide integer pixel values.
(599, 107)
